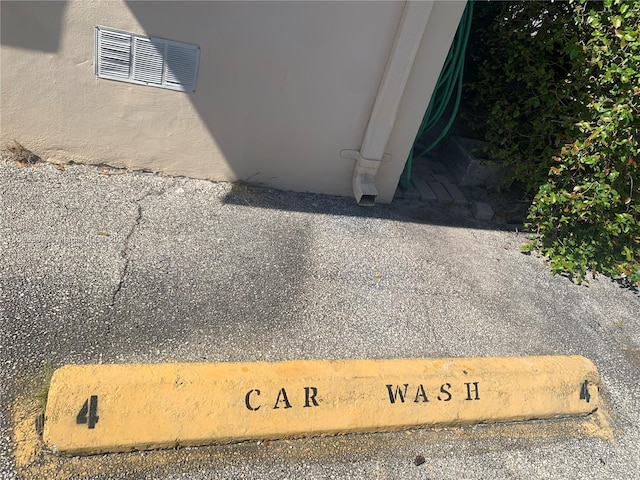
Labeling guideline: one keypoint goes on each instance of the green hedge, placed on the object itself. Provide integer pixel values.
(557, 88)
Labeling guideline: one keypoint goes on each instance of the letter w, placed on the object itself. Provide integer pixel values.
(399, 393)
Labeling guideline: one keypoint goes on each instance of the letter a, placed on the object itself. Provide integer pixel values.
(420, 393)
(282, 397)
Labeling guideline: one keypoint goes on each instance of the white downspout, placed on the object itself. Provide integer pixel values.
(405, 46)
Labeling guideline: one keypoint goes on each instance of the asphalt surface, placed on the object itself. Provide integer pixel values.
(106, 266)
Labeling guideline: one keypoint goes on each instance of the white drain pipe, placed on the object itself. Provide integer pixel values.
(383, 116)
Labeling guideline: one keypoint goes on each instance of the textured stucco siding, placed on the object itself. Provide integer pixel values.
(282, 88)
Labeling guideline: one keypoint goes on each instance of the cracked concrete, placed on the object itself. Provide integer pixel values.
(124, 255)
(124, 252)
(217, 272)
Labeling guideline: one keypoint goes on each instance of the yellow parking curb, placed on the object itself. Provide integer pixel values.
(110, 408)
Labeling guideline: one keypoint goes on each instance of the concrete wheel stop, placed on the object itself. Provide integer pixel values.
(95, 409)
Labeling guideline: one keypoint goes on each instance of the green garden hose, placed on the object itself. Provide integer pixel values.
(450, 79)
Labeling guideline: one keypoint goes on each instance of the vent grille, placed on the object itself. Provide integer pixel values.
(115, 54)
(156, 62)
(148, 60)
(179, 62)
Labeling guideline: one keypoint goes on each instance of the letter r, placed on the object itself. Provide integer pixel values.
(310, 395)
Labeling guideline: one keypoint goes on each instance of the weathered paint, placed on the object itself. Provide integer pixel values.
(108, 408)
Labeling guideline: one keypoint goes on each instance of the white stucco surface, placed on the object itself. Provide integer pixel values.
(282, 88)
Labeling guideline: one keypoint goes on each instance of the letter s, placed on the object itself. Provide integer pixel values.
(444, 389)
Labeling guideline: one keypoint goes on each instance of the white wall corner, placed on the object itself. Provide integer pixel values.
(385, 108)
(431, 55)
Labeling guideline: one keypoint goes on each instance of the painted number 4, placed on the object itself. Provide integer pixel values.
(584, 392)
(88, 414)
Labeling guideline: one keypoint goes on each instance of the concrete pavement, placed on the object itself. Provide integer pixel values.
(104, 266)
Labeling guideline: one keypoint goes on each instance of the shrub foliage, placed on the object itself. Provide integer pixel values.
(558, 85)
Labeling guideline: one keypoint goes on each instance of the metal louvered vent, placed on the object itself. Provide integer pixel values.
(156, 62)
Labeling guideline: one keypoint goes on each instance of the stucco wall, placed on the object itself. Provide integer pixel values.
(282, 88)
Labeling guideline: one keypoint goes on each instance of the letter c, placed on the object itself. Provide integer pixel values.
(247, 400)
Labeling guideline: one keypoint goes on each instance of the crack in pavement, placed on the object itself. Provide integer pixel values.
(124, 252)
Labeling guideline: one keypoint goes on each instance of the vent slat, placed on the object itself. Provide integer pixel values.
(114, 54)
(148, 61)
(181, 65)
